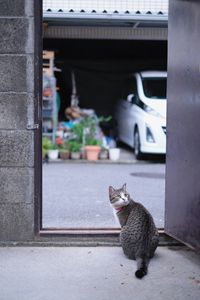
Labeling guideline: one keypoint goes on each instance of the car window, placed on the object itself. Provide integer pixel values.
(155, 88)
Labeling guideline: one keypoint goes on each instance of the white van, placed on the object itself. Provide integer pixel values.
(141, 116)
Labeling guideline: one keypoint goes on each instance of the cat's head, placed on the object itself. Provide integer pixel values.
(119, 197)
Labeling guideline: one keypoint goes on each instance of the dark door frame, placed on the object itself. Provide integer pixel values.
(38, 45)
(108, 235)
(72, 237)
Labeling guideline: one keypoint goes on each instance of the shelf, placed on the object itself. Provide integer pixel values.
(47, 133)
(49, 109)
(47, 99)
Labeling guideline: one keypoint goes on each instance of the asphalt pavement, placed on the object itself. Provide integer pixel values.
(75, 194)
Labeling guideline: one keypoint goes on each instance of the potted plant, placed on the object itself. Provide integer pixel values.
(49, 149)
(46, 145)
(89, 137)
(53, 152)
(64, 150)
(75, 149)
(89, 134)
(92, 148)
(103, 153)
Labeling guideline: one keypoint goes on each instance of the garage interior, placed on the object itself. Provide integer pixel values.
(102, 69)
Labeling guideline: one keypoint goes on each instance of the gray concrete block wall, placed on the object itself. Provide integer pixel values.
(16, 112)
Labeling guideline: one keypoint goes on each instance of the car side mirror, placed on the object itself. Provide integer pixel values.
(130, 98)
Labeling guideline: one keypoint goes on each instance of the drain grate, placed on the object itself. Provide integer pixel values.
(148, 175)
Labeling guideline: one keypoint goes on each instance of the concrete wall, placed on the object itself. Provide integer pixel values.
(16, 112)
(183, 143)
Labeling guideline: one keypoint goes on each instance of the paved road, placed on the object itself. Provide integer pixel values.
(76, 195)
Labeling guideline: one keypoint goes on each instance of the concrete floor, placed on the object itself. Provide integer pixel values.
(100, 273)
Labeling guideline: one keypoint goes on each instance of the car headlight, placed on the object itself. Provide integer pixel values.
(149, 135)
(151, 111)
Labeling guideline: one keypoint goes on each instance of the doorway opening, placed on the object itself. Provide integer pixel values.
(95, 72)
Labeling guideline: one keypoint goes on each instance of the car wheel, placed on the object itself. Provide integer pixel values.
(138, 153)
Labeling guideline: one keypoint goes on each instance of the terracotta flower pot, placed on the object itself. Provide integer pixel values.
(64, 154)
(92, 152)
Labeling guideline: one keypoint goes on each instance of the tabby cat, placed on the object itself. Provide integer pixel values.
(139, 236)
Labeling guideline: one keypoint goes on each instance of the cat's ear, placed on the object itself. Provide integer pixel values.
(124, 187)
(111, 190)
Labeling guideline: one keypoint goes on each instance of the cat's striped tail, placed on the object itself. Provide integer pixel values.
(142, 267)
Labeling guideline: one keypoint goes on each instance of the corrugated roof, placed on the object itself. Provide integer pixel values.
(105, 8)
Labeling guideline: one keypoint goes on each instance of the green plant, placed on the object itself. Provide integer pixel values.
(87, 131)
(86, 125)
(92, 141)
(78, 130)
(46, 145)
(74, 146)
(54, 147)
(104, 119)
(64, 146)
(92, 131)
